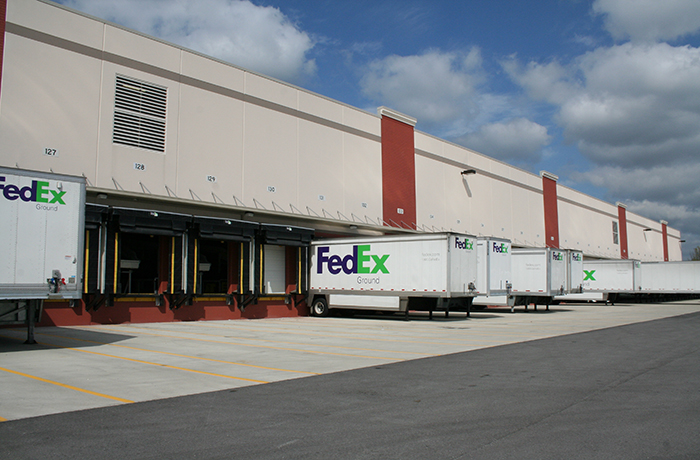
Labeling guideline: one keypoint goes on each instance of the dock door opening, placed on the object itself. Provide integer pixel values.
(283, 259)
(144, 244)
(222, 252)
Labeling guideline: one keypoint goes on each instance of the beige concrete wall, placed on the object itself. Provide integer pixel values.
(646, 246)
(675, 247)
(210, 152)
(499, 200)
(46, 104)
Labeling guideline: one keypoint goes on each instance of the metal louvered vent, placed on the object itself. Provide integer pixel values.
(139, 114)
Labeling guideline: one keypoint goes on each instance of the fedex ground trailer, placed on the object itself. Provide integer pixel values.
(632, 280)
(611, 278)
(41, 242)
(574, 271)
(539, 274)
(494, 280)
(425, 272)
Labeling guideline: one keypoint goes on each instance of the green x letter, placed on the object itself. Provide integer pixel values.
(57, 197)
(380, 261)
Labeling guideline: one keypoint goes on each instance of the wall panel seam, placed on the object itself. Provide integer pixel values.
(481, 172)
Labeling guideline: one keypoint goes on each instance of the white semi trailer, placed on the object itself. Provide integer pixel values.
(611, 275)
(41, 242)
(539, 274)
(426, 272)
(605, 280)
(612, 278)
(574, 271)
(670, 277)
(635, 281)
(494, 279)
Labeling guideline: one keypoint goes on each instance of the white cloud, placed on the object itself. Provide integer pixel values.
(664, 211)
(435, 87)
(640, 103)
(633, 69)
(518, 140)
(630, 104)
(237, 31)
(552, 82)
(677, 185)
(649, 20)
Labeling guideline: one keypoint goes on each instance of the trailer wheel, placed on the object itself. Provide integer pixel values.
(319, 307)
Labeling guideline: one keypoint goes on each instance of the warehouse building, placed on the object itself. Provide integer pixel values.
(206, 182)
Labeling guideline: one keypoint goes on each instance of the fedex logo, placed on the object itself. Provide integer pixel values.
(576, 256)
(466, 244)
(359, 261)
(38, 192)
(557, 255)
(502, 248)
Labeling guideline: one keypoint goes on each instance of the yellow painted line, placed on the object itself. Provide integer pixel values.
(335, 336)
(116, 260)
(307, 344)
(256, 346)
(348, 330)
(196, 265)
(86, 271)
(3, 419)
(419, 353)
(240, 256)
(176, 354)
(150, 363)
(457, 341)
(70, 387)
(172, 264)
(134, 299)
(349, 325)
(155, 364)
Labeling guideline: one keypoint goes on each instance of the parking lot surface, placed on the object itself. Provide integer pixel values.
(75, 368)
(621, 382)
(578, 382)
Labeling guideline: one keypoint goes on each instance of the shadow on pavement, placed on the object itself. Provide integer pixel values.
(47, 338)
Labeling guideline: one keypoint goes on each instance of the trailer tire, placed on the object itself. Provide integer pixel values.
(319, 307)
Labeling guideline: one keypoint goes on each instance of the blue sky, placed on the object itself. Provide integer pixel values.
(603, 93)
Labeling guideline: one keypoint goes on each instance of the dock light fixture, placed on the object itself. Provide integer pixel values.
(465, 173)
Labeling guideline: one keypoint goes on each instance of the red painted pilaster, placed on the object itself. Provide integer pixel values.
(3, 16)
(664, 236)
(551, 209)
(622, 227)
(398, 169)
